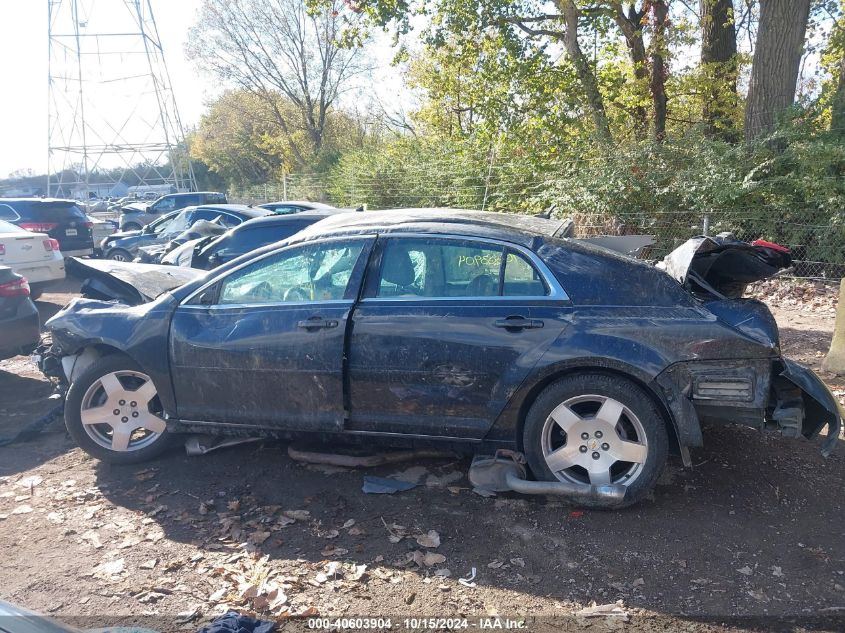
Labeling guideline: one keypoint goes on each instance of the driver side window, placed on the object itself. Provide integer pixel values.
(318, 272)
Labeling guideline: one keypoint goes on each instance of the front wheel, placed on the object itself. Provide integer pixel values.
(119, 255)
(596, 429)
(114, 413)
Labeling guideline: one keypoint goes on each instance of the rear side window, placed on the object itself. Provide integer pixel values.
(40, 211)
(8, 213)
(455, 268)
(215, 198)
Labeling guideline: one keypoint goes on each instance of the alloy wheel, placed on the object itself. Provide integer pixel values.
(121, 411)
(594, 439)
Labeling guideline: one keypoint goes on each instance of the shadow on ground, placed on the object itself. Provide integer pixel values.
(756, 527)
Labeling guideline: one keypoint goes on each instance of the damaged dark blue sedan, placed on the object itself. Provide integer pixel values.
(488, 331)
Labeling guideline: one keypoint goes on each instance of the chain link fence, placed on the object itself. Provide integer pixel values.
(818, 248)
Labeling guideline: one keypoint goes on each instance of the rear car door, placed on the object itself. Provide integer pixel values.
(263, 345)
(446, 331)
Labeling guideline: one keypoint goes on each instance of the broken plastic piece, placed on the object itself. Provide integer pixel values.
(468, 581)
(384, 486)
(202, 444)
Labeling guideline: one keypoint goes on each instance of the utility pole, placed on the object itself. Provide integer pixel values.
(112, 119)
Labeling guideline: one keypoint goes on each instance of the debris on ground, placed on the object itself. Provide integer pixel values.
(202, 444)
(807, 296)
(234, 622)
(385, 486)
(613, 610)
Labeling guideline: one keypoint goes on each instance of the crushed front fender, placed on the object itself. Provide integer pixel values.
(821, 407)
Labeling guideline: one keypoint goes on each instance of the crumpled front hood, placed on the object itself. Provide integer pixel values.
(128, 282)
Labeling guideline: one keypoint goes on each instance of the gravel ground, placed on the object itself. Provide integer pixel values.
(752, 538)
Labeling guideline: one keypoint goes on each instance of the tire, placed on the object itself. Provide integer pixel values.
(120, 255)
(588, 405)
(131, 226)
(36, 290)
(88, 397)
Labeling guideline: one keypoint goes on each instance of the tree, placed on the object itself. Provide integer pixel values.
(718, 62)
(279, 47)
(777, 60)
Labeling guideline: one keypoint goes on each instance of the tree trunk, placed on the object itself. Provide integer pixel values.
(631, 25)
(718, 61)
(660, 15)
(777, 60)
(837, 109)
(582, 69)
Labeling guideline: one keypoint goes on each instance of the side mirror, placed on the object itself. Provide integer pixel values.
(207, 297)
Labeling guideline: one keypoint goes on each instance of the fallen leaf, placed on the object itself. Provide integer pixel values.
(432, 539)
(443, 572)
(23, 509)
(496, 564)
(109, 569)
(30, 482)
(638, 582)
(331, 534)
(148, 564)
(298, 515)
(758, 595)
(357, 531)
(427, 559)
(777, 571)
(348, 524)
(234, 505)
(358, 572)
(331, 550)
(518, 562)
(745, 571)
(257, 538)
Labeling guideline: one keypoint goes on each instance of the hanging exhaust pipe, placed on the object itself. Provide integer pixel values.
(505, 472)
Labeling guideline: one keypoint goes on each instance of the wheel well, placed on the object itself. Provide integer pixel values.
(537, 389)
(86, 355)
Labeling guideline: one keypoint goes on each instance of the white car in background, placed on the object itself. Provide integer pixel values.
(36, 256)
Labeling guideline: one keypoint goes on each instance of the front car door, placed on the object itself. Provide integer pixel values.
(263, 345)
(447, 329)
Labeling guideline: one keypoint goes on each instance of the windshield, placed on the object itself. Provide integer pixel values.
(171, 223)
(8, 227)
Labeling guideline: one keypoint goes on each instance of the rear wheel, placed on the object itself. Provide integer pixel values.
(596, 429)
(120, 255)
(114, 413)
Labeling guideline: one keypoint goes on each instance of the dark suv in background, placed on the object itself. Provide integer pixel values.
(138, 214)
(63, 220)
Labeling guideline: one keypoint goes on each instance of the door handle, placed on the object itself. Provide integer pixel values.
(316, 323)
(518, 323)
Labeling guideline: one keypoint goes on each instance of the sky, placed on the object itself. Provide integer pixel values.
(24, 51)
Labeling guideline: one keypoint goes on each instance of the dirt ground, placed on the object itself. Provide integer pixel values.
(752, 538)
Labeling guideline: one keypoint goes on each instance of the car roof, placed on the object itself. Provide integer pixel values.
(192, 193)
(299, 203)
(45, 200)
(242, 209)
(314, 215)
(513, 227)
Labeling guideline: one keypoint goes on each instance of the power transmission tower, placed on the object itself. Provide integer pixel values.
(112, 116)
